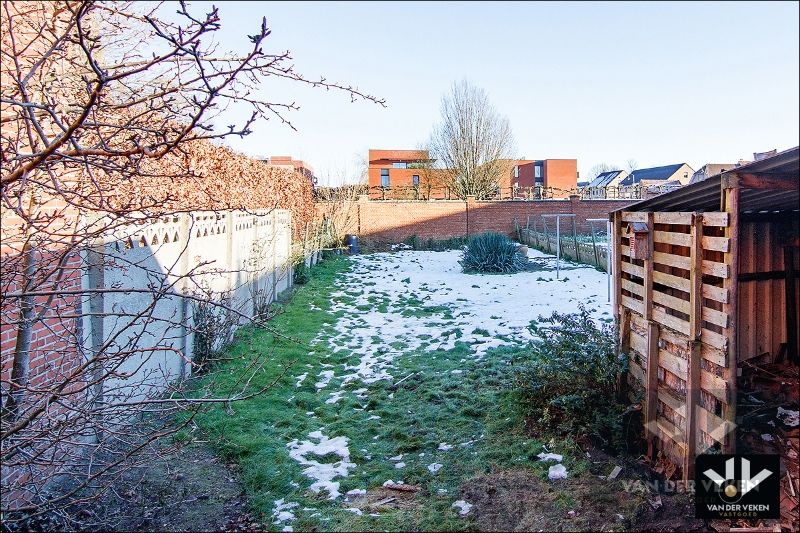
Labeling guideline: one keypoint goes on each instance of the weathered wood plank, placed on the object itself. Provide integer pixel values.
(671, 237)
(718, 318)
(669, 321)
(716, 218)
(630, 286)
(715, 355)
(635, 270)
(672, 302)
(673, 218)
(639, 343)
(712, 268)
(630, 303)
(676, 404)
(682, 284)
(717, 244)
(677, 261)
(711, 424)
(714, 385)
(672, 432)
(636, 371)
(718, 294)
(673, 363)
(714, 340)
(695, 328)
(634, 216)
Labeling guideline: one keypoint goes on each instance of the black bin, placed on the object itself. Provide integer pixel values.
(351, 241)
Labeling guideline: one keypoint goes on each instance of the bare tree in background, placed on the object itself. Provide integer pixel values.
(110, 119)
(631, 165)
(472, 145)
(601, 168)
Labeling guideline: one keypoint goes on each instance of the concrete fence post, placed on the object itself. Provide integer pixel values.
(187, 339)
(273, 250)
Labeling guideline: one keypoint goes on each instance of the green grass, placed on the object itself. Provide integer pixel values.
(432, 405)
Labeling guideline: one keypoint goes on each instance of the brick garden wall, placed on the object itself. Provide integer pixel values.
(393, 221)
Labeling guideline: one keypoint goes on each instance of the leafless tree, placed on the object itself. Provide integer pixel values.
(601, 168)
(472, 145)
(111, 119)
(631, 165)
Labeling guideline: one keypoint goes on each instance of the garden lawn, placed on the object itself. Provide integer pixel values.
(391, 367)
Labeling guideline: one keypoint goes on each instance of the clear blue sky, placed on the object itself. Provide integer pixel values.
(601, 82)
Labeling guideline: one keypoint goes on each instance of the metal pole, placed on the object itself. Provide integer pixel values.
(608, 257)
(558, 247)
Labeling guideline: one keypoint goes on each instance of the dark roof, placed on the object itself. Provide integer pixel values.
(705, 195)
(652, 174)
(604, 178)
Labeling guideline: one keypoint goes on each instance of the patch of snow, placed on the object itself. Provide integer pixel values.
(374, 417)
(300, 379)
(326, 376)
(463, 507)
(356, 492)
(456, 371)
(400, 465)
(434, 467)
(282, 511)
(767, 437)
(789, 417)
(558, 471)
(355, 511)
(550, 457)
(335, 397)
(396, 457)
(323, 474)
(443, 446)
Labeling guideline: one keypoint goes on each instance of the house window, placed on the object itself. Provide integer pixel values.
(384, 177)
(537, 170)
(402, 164)
(415, 180)
(516, 171)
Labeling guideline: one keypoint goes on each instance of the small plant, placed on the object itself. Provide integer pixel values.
(492, 252)
(213, 331)
(301, 273)
(570, 383)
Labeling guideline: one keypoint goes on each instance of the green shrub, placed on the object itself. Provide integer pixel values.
(301, 273)
(492, 252)
(569, 386)
(435, 245)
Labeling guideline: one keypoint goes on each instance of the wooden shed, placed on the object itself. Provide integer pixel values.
(713, 285)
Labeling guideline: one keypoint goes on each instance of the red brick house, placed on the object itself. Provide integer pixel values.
(409, 173)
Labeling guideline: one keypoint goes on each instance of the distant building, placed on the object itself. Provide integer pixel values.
(679, 173)
(600, 186)
(558, 175)
(400, 169)
(712, 169)
(286, 161)
(397, 168)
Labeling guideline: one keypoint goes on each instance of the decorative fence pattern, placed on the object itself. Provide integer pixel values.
(143, 284)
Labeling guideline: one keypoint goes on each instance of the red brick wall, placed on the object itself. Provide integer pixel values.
(393, 221)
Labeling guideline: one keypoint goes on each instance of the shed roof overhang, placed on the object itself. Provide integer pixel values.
(769, 185)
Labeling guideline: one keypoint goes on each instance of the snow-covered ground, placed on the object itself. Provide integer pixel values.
(487, 310)
(394, 303)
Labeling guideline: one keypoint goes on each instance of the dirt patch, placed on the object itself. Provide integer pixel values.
(189, 489)
(383, 499)
(519, 500)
